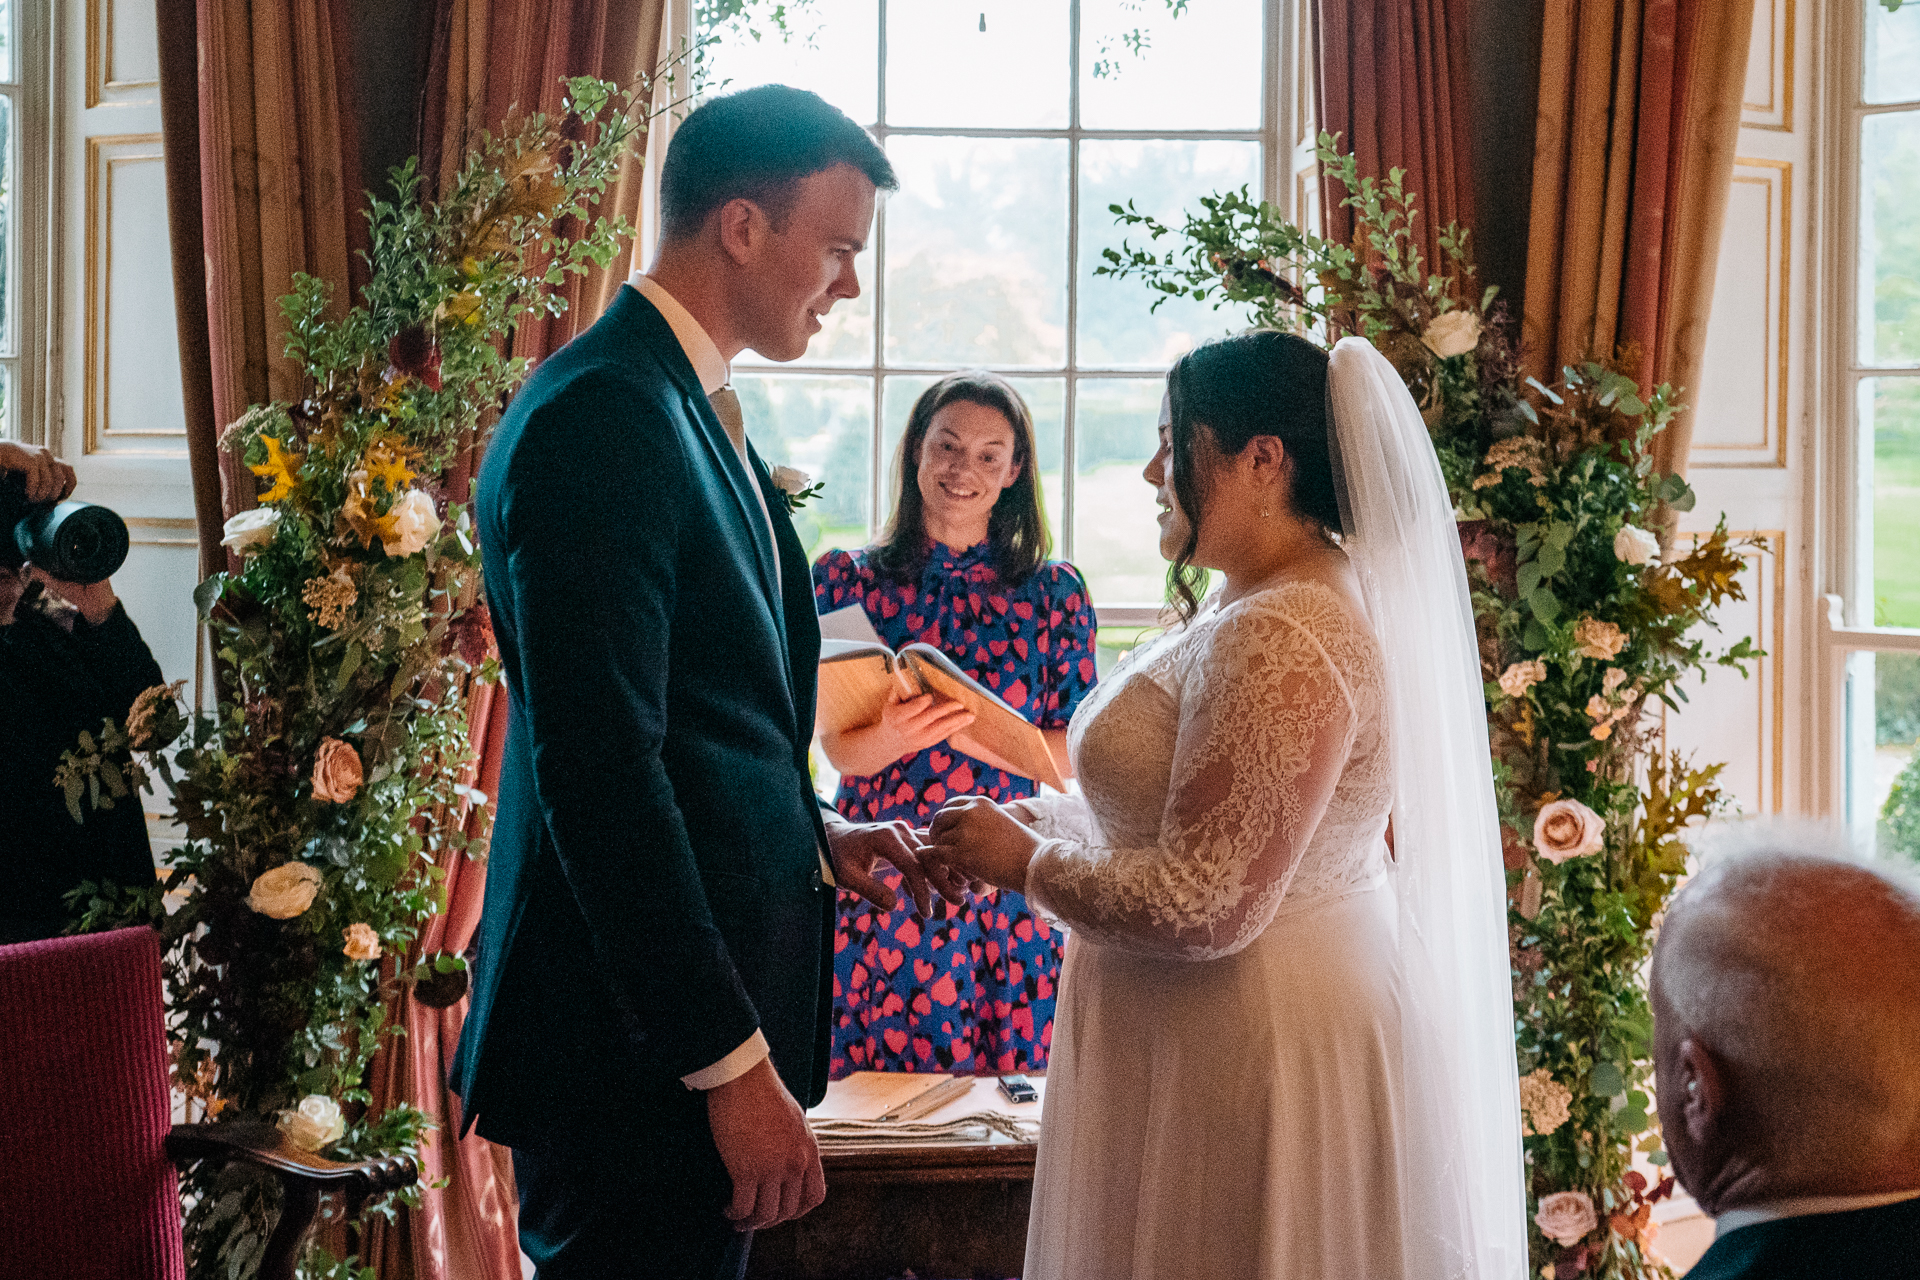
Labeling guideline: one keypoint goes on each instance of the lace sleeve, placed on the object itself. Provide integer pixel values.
(1266, 724)
(1060, 817)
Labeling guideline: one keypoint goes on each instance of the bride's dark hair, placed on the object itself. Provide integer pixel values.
(1262, 383)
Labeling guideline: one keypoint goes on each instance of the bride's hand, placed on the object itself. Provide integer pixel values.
(975, 837)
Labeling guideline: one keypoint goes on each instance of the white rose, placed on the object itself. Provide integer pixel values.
(1453, 334)
(285, 892)
(314, 1124)
(1567, 829)
(410, 525)
(1566, 1216)
(1635, 546)
(791, 480)
(250, 529)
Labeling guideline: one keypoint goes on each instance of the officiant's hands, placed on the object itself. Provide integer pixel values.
(974, 838)
(859, 848)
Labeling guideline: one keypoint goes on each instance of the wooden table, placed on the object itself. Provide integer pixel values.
(951, 1211)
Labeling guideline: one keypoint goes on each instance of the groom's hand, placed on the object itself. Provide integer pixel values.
(769, 1152)
(859, 847)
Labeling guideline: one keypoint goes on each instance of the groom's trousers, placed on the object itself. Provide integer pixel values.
(629, 1197)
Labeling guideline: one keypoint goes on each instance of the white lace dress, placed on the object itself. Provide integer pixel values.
(1225, 1092)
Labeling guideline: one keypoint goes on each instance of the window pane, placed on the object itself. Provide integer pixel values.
(1198, 71)
(1896, 763)
(977, 252)
(6, 40)
(1890, 439)
(832, 47)
(992, 64)
(8, 178)
(1890, 238)
(1116, 542)
(1892, 62)
(1046, 400)
(846, 332)
(1163, 179)
(823, 426)
(7, 429)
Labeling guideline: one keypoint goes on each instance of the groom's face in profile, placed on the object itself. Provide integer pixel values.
(803, 263)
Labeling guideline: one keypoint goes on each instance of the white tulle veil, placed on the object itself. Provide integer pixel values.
(1463, 1168)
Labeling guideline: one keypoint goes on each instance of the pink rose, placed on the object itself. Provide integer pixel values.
(1566, 1217)
(336, 771)
(362, 942)
(1567, 829)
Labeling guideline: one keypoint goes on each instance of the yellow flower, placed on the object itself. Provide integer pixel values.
(279, 468)
(464, 307)
(386, 460)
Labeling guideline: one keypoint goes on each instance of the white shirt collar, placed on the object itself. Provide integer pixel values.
(708, 364)
(1801, 1207)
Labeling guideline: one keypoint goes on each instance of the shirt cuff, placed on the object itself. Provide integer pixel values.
(736, 1064)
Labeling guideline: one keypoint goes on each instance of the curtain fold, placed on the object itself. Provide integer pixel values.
(253, 95)
(493, 61)
(1393, 79)
(1633, 156)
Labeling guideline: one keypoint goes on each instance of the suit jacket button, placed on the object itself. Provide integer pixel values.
(815, 881)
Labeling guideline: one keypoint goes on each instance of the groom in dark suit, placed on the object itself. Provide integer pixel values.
(1786, 997)
(650, 1003)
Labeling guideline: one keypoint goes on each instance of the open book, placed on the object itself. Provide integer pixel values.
(856, 674)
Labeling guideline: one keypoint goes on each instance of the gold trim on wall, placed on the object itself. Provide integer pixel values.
(100, 58)
(1782, 317)
(184, 532)
(96, 357)
(1776, 113)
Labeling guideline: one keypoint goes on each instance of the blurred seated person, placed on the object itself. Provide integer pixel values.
(1786, 997)
(69, 658)
(962, 565)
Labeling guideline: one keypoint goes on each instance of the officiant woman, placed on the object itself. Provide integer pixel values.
(961, 565)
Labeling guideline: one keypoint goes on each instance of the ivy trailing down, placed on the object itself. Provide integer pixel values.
(1589, 611)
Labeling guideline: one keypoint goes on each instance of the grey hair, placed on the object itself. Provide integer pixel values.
(1797, 962)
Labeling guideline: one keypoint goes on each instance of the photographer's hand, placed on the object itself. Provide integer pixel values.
(48, 478)
(94, 600)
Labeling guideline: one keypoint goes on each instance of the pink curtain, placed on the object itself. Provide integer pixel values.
(1633, 160)
(1392, 80)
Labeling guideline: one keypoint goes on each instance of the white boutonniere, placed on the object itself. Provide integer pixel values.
(796, 486)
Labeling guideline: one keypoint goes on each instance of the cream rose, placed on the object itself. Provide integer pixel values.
(410, 525)
(1566, 1217)
(1453, 334)
(251, 529)
(285, 891)
(1522, 676)
(362, 942)
(1598, 640)
(336, 771)
(1567, 829)
(314, 1124)
(1635, 546)
(791, 480)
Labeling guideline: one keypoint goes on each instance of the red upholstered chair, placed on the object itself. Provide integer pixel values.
(87, 1185)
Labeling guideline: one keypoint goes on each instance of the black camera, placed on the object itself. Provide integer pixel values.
(71, 541)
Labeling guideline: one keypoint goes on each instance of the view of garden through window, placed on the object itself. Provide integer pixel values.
(1009, 151)
(1887, 387)
(9, 236)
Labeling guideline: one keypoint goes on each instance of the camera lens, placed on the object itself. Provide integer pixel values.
(74, 541)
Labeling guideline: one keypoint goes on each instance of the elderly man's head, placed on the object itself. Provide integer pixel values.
(1786, 995)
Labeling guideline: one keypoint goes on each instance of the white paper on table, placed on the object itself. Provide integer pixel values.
(849, 623)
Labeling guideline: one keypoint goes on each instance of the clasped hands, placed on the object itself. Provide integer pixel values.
(971, 844)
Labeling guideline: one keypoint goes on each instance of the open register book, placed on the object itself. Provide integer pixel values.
(856, 674)
(857, 669)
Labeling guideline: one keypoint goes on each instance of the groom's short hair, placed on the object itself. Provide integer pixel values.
(756, 145)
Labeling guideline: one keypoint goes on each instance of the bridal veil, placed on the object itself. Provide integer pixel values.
(1464, 1168)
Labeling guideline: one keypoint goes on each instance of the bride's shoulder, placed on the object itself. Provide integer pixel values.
(1311, 602)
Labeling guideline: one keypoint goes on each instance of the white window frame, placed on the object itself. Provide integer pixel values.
(1278, 134)
(32, 214)
(1845, 711)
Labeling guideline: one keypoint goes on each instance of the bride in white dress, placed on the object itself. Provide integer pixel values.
(1284, 1040)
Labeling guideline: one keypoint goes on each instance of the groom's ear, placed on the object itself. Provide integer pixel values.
(741, 226)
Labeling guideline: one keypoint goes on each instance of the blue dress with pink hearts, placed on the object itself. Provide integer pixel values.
(970, 990)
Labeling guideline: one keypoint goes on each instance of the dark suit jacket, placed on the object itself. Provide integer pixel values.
(653, 890)
(1883, 1243)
